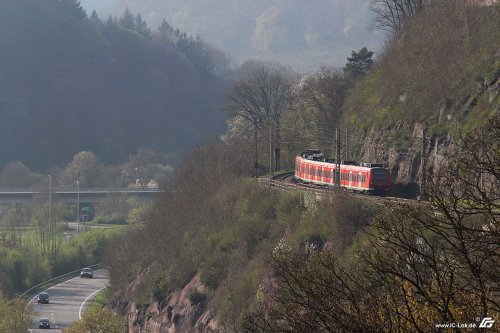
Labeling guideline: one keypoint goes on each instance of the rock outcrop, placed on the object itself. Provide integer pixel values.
(178, 313)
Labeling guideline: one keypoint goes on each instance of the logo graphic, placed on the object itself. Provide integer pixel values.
(486, 322)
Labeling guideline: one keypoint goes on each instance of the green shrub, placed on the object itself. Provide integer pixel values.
(213, 270)
(195, 297)
(111, 219)
(289, 208)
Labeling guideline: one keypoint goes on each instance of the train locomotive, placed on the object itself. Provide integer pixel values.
(371, 178)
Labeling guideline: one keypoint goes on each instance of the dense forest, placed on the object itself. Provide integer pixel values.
(296, 33)
(70, 82)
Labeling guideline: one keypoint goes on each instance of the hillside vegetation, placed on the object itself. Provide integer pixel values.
(222, 253)
(434, 72)
(224, 239)
(246, 257)
(71, 83)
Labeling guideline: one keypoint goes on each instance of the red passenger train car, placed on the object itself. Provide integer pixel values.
(312, 167)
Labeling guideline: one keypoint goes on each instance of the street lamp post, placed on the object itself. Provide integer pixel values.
(51, 231)
(78, 208)
(136, 177)
(50, 195)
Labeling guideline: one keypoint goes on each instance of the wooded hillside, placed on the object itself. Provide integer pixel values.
(247, 258)
(69, 83)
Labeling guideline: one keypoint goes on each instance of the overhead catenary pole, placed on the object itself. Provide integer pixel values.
(346, 153)
(78, 208)
(337, 158)
(423, 168)
(277, 149)
(51, 227)
(270, 149)
(50, 198)
(256, 160)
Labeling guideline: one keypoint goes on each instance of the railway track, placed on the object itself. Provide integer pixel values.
(287, 182)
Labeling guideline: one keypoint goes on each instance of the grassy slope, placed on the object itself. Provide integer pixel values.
(431, 72)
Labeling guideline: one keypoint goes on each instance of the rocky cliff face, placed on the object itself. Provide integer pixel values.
(405, 164)
(178, 313)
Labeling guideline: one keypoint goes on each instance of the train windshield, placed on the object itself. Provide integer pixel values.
(379, 175)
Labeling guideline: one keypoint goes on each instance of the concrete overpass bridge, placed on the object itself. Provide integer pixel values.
(87, 195)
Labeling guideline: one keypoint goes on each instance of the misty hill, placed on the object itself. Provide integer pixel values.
(70, 83)
(302, 34)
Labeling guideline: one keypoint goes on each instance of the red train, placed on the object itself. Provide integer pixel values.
(312, 167)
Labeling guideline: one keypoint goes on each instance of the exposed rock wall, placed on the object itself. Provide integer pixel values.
(175, 314)
(405, 163)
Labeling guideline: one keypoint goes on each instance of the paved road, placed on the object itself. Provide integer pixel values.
(68, 301)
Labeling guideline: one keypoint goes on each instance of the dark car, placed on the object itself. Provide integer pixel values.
(44, 323)
(43, 298)
(86, 272)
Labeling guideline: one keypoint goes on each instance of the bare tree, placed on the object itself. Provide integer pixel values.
(261, 98)
(15, 316)
(441, 264)
(242, 101)
(85, 168)
(321, 96)
(313, 293)
(392, 15)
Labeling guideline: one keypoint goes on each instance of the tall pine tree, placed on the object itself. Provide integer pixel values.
(359, 62)
(127, 21)
(75, 8)
(94, 18)
(141, 27)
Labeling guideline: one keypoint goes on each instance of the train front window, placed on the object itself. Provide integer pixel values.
(380, 175)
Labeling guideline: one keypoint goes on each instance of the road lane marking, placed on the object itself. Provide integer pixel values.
(49, 289)
(83, 304)
(31, 330)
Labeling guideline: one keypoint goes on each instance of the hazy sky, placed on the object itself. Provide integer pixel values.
(90, 5)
